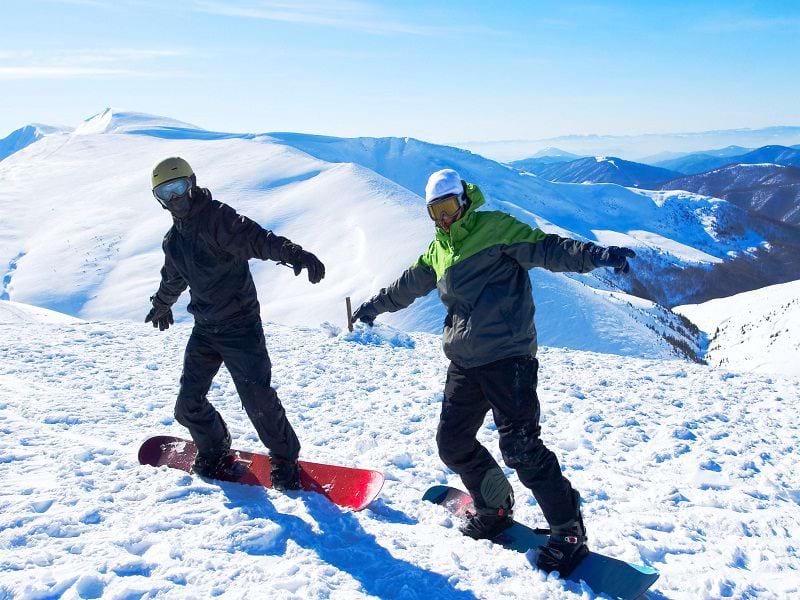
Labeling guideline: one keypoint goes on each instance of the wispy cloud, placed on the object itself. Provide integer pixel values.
(736, 25)
(343, 14)
(56, 72)
(65, 64)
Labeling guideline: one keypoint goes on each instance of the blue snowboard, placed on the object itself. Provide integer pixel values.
(604, 575)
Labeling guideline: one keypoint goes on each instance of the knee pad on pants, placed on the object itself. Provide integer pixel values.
(521, 446)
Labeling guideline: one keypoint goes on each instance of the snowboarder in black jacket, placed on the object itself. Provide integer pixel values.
(207, 249)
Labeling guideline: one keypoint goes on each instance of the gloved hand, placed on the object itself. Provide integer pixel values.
(298, 259)
(614, 256)
(365, 313)
(197, 193)
(160, 315)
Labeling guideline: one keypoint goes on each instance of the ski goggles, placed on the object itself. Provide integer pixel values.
(444, 207)
(168, 191)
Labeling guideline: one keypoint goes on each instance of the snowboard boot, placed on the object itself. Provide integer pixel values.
(285, 474)
(209, 463)
(566, 546)
(486, 523)
(494, 503)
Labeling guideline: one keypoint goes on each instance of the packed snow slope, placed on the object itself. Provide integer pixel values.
(757, 331)
(682, 467)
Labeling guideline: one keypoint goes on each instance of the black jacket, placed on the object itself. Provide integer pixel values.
(208, 252)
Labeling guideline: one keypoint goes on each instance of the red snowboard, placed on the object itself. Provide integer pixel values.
(345, 486)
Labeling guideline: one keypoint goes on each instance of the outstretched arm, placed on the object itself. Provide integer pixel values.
(531, 247)
(246, 239)
(416, 281)
(243, 237)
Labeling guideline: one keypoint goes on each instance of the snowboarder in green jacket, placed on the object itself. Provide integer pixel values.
(479, 262)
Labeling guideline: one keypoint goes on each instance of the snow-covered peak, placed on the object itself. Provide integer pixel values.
(27, 135)
(113, 120)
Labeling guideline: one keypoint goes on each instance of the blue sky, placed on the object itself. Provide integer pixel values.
(442, 71)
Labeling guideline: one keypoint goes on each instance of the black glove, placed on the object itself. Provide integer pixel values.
(365, 313)
(614, 256)
(160, 315)
(298, 259)
(197, 193)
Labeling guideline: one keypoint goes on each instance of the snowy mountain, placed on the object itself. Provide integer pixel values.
(753, 331)
(700, 163)
(637, 147)
(25, 136)
(90, 246)
(689, 246)
(548, 156)
(769, 190)
(555, 153)
(689, 469)
(661, 159)
(603, 169)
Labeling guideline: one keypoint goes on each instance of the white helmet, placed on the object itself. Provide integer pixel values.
(443, 183)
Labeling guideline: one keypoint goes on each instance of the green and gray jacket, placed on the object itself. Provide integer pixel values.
(480, 268)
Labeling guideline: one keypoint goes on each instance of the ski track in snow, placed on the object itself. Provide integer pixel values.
(688, 469)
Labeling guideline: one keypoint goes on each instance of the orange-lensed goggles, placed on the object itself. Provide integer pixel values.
(444, 207)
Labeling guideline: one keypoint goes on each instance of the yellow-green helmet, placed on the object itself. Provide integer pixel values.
(168, 169)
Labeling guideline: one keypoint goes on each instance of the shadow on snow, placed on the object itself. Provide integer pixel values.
(344, 544)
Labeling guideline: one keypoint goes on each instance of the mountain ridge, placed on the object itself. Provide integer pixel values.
(363, 198)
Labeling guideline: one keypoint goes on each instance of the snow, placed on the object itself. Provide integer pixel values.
(14, 312)
(673, 460)
(121, 121)
(680, 251)
(753, 331)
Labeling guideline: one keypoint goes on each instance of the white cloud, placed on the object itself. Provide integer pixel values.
(343, 14)
(63, 64)
(734, 25)
(62, 72)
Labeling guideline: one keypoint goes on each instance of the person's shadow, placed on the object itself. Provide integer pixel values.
(343, 544)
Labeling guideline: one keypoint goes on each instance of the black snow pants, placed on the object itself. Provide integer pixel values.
(508, 388)
(242, 347)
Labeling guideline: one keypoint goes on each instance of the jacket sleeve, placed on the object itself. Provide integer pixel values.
(534, 248)
(416, 281)
(243, 237)
(172, 283)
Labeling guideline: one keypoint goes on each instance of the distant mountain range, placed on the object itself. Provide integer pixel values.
(599, 169)
(661, 157)
(637, 147)
(769, 190)
(765, 181)
(548, 156)
(692, 164)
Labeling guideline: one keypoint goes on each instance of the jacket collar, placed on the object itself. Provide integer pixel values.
(462, 228)
(200, 199)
